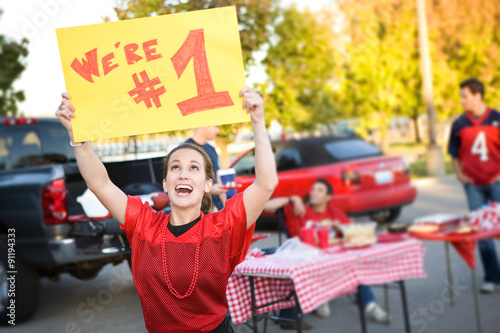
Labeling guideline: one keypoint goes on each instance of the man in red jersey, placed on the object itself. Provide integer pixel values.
(297, 215)
(475, 148)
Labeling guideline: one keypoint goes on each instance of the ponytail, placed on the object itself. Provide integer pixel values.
(206, 203)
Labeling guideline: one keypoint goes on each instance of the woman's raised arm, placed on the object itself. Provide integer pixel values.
(256, 195)
(93, 171)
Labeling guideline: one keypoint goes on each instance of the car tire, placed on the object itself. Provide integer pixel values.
(386, 216)
(26, 288)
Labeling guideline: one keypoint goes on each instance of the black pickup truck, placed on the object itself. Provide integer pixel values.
(44, 230)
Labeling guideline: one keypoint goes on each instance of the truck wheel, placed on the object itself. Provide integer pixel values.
(386, 216)
(23, 292)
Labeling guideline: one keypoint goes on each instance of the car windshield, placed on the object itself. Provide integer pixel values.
(245, 166)
(31, 145)
(351, 149)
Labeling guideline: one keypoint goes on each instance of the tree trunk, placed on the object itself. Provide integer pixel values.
(384, 142)
(416, 126)
(384, 125)
(222, 143)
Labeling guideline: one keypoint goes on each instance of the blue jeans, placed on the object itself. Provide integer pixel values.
(478, 196)
(288, 313)
(367, 295)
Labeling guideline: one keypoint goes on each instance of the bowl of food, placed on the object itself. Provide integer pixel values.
(359, 234)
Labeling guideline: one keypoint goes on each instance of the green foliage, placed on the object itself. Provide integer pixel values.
(381, 65)
(300, 66)
(11, 67)
(466, 39)
(254, 16)
(381, 77)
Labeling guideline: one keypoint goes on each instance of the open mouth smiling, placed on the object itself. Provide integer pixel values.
(183, 189)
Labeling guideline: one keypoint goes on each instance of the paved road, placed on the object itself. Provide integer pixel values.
(109, 303)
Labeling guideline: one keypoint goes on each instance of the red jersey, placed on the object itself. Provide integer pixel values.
(476, 145)
(293, 222)
(158, 257)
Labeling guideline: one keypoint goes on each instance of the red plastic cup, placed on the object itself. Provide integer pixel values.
(323, 238)
(307, 236)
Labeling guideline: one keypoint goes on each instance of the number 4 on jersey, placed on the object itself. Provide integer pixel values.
(479, 147)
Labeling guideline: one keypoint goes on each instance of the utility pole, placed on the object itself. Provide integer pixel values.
(435, 159)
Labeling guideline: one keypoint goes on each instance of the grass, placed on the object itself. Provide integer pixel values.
(417, 153)
(406, 145)
(419, 167)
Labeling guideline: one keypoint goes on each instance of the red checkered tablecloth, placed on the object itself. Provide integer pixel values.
(329, 274)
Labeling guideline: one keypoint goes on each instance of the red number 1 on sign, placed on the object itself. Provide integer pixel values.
(207, 98)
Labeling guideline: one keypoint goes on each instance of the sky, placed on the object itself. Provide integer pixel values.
(43, 80)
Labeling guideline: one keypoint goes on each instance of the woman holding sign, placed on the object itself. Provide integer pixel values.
(181, 262)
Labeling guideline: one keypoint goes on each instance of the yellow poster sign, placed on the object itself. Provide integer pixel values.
(154, 74)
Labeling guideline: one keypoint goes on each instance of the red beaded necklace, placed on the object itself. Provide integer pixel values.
(196, 261)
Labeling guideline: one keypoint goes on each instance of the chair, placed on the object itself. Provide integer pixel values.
(281, 225)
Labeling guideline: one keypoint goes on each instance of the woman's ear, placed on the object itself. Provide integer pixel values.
(208, 185)
(164, 182)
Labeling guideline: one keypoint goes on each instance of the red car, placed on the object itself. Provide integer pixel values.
(365, 181)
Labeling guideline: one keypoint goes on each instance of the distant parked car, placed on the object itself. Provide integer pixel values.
(365, 181)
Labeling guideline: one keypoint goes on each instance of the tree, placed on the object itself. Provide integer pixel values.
(300, 65)
(381, 67)
(255, 17)
(466, 38)
(380, 62)
(11, 67)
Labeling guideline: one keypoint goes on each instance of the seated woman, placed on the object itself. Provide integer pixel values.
(297, 214)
